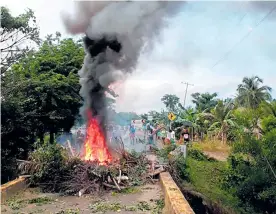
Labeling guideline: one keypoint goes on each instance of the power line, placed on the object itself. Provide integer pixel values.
(243, 38)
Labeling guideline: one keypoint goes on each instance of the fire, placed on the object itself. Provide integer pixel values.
(95, 144)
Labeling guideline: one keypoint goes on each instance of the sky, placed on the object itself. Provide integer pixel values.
(211, 45)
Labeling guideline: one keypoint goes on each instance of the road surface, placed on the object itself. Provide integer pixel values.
(139, 146)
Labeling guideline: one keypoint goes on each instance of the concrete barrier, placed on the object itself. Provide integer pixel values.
(12, 187)
(175, 202)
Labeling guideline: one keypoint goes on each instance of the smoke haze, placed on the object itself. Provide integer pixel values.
(116, 34)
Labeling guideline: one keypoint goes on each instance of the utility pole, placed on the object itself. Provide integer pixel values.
(187, 85)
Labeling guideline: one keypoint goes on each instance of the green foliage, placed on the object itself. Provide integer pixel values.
(40, 200)
(15, 138)
(16, 32)
(130, 190)
(252, 172)
(46, 86)
(160, 204)
(206, 177)
(197, 154)
(50, 167)
(16, 204)
(171, 102)
(164, 152)
(269, 123)
(251, 94)
(40, 91)
(268, 108)
(222, 119)
(104, 207)
(205, 101)
(69, 211)
(181, 167)
(142, 206)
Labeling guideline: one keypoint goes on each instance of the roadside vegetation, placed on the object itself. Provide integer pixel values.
(40, 99)
(231, 161)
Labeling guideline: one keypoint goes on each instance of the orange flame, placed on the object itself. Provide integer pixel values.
(95, 144)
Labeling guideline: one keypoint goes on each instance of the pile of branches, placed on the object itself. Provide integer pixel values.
(88, 177)
(56, 172)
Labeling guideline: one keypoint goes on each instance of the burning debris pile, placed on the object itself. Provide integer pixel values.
(116, 33)
(51, 169)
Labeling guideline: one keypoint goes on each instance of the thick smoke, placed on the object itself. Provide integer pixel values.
(116, 34)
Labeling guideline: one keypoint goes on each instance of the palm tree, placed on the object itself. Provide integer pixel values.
(190, 115)
(222, 119)
(251, 94)
(269, 108)
(205, 101)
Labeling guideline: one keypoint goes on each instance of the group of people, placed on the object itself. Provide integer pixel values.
(154, 133)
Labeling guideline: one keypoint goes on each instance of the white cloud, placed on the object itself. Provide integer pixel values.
(47, 12)
(186, 51)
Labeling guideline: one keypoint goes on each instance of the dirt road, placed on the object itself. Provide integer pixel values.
(144, 199)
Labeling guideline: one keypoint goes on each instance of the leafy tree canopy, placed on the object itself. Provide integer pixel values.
(251, 94)
(204, 101)
(171, 102)
(19, 35)
(40, 94)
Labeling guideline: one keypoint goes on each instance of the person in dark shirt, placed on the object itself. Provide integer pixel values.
(186, 136)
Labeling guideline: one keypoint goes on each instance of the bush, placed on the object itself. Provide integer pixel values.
(269, 123)
(166, 150)
(49, 165)
(197, 154)
(181, 167)
(250, 174)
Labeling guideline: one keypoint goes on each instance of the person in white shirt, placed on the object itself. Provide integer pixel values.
(171, 136)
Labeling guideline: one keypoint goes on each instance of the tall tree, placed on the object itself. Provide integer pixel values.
(251, 94)
(269, 108)
(191, 115)
(205, 101)
(19, 35)
(40, 94)
(222, 118)
(171, 102)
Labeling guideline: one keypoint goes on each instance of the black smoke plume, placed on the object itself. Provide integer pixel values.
(97, 93)
(116, 34)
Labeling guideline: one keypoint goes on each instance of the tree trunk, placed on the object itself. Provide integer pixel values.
(52, 137)
(41, 138)
(223, 137)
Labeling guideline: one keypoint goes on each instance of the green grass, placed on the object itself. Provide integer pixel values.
(40, 201)
(15, 203)
(130, 190)
(206, 178)
(143, 206)
(212, 146)
(69, 211)
(105, 207)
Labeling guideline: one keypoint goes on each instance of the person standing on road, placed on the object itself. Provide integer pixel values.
(163, 135)
(132, 134)
(184, 140)
(144, 129)
(150, 136)
(117, 133)
(186, 136)
(171, 136)
(79, 140)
